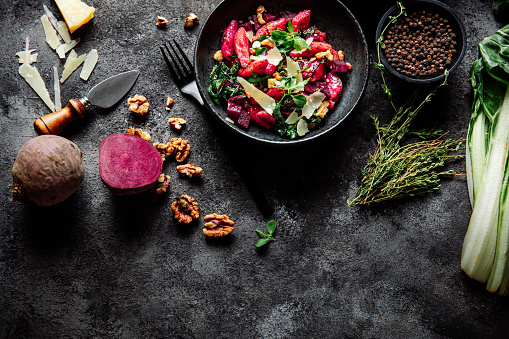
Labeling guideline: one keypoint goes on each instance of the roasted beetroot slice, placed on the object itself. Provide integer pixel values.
(128, 164)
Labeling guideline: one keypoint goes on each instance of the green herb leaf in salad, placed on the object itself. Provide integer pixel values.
(223, 82)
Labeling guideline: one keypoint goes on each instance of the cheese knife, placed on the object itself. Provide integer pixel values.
(105, 94)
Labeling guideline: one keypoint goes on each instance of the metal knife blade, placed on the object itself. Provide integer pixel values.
(108, 92)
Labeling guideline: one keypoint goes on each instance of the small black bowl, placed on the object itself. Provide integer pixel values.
(444, 11)
(331, 16)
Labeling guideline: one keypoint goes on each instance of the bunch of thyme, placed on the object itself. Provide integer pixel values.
(397, 170)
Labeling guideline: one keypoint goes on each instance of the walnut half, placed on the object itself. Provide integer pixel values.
(217, 225)
(185, 209)
(189, 170)
(176, 123)
(190, 20)
(139, 133)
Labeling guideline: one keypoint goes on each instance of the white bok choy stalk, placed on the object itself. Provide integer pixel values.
(484, 255)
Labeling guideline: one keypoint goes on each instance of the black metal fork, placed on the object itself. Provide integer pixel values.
(183, 74)
(181, 69)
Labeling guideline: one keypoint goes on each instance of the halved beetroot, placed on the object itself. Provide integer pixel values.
(128, 164)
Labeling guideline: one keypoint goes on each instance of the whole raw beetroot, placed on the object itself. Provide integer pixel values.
(48, 169)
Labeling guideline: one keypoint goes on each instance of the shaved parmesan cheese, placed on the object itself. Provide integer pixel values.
(34, 79)
(62, 49)
(75, 12)
(49, 31)
(72, 62)
(88, 66)
(256, 44)
(314, 101)
(293, 69)
(274, 56)
(56, 87)
(292, 118)
(309, 40)
(265, 101)
(64, 32)
(302, 127)
(31, 57)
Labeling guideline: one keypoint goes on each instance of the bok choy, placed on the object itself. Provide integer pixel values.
(485, 250)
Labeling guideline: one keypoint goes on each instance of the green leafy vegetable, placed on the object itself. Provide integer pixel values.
(396, 170)
(486, 244)
(285, 41)
(223, 81)
(266, 237)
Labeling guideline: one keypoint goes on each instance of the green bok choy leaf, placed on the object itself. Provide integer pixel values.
(485, 250)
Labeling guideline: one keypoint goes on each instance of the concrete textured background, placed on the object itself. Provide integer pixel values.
(100, 265)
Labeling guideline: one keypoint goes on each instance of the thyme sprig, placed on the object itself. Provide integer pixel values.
(396, 170)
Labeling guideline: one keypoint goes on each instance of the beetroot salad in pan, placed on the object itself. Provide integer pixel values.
(277, 72)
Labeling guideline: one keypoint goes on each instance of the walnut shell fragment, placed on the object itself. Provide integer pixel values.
(185, 209)
(217, 225)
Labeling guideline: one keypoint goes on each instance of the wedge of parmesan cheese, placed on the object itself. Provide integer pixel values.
(34, 79)
(314, 101)
(265, 101)
(64, 32)
(62, 49)
(75, 12)
(88, 66)
(72, 62)
(274, 57)
(49, 31)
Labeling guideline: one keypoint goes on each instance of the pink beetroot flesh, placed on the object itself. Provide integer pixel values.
(128, 164)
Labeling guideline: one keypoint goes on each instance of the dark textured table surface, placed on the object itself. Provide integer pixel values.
(100, 265)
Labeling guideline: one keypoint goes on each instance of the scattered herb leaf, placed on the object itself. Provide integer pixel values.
(266, 237)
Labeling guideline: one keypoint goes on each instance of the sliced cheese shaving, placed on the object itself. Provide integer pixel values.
(314, 101)
(31, 57)
(88, 66)
(292, 118)
(64, 32)
(302, 127)
(49, 31)
(56, 87)
(265, 101)
(62, 49)
(309, 40)
(72, 62)
(34, 79)
(274, 57)
(293, 69)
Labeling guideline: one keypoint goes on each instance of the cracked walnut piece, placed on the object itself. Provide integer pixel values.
(138, 104)
(259, 15)
(169, 103)
(322, 109)
(161, 21)
(185, 209)
(176, 123)
(139, 133)
(217, 225)
(191, 18)
(189, 170)
(182, 148)
(162, 184)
